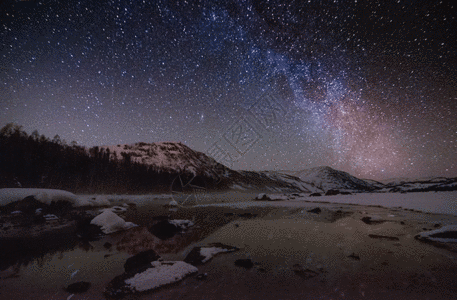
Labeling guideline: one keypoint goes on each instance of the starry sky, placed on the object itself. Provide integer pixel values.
(367, 87)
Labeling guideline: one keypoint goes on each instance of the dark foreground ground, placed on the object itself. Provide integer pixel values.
(298, 252)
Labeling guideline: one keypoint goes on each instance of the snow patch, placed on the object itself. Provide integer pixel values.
(161, 273)
(110, 222)
(46, 196)
(208, 253)
(450, 230)
(183, 224)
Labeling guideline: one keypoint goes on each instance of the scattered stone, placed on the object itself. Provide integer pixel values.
(332, 192)
(78, 287)
(202, 276)
(402, 223)
(261, 196)
(316, 210)
(172, 203)
(248, 215)
(354, 256)
(50, 217)
(372, 220)
(271, 197)
(245, 263)
(385, 237)
(437, 225)
(302, 272)
(315, 195)
(107, 245)
(140, 262)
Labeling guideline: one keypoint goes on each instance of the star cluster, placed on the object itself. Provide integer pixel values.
(368, 87)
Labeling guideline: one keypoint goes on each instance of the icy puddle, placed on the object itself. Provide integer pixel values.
(46, 277)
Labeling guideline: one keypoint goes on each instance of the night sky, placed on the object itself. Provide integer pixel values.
(367, 87)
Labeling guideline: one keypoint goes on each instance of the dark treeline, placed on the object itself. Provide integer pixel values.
(35, 161)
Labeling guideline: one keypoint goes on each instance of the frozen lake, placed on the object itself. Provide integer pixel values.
(433, 202)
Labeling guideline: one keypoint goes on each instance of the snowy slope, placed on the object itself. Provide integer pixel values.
(421, 185)
(326, 178)
(170, 157)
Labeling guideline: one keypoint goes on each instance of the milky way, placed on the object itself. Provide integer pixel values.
(369, 88)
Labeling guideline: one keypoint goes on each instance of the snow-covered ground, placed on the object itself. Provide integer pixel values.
(8, 195)
(434, 202)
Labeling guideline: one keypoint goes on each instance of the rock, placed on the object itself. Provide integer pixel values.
(261, 196)
(28, 205)
(245, 263)
(78, 287)
(445, 234)
(85, 230)
(315, 195)
(372, 220)
(109, 222)
(302, 272)
(194, 257)
(107, 245)
(271, 197)
(164, 230)
(346, 193)
(199, 255)
(50, 217)
(202, 276)
(332, 192)
(385, 237)
(316, 210)
(248, 215)
(172, 203)
(354, 256)
(160, 273)
(140, 262)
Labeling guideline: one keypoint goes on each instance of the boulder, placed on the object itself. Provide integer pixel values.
(164, 230)
(159, 273)
(245, 263)
(372, 220)
(315, 195)
(140, 262)
(332, 192)
(316, 210)
(304, 273)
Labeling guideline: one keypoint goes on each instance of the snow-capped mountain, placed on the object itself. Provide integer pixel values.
(202, 170)
(170, 157)
(420, 185)
(326, 178)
